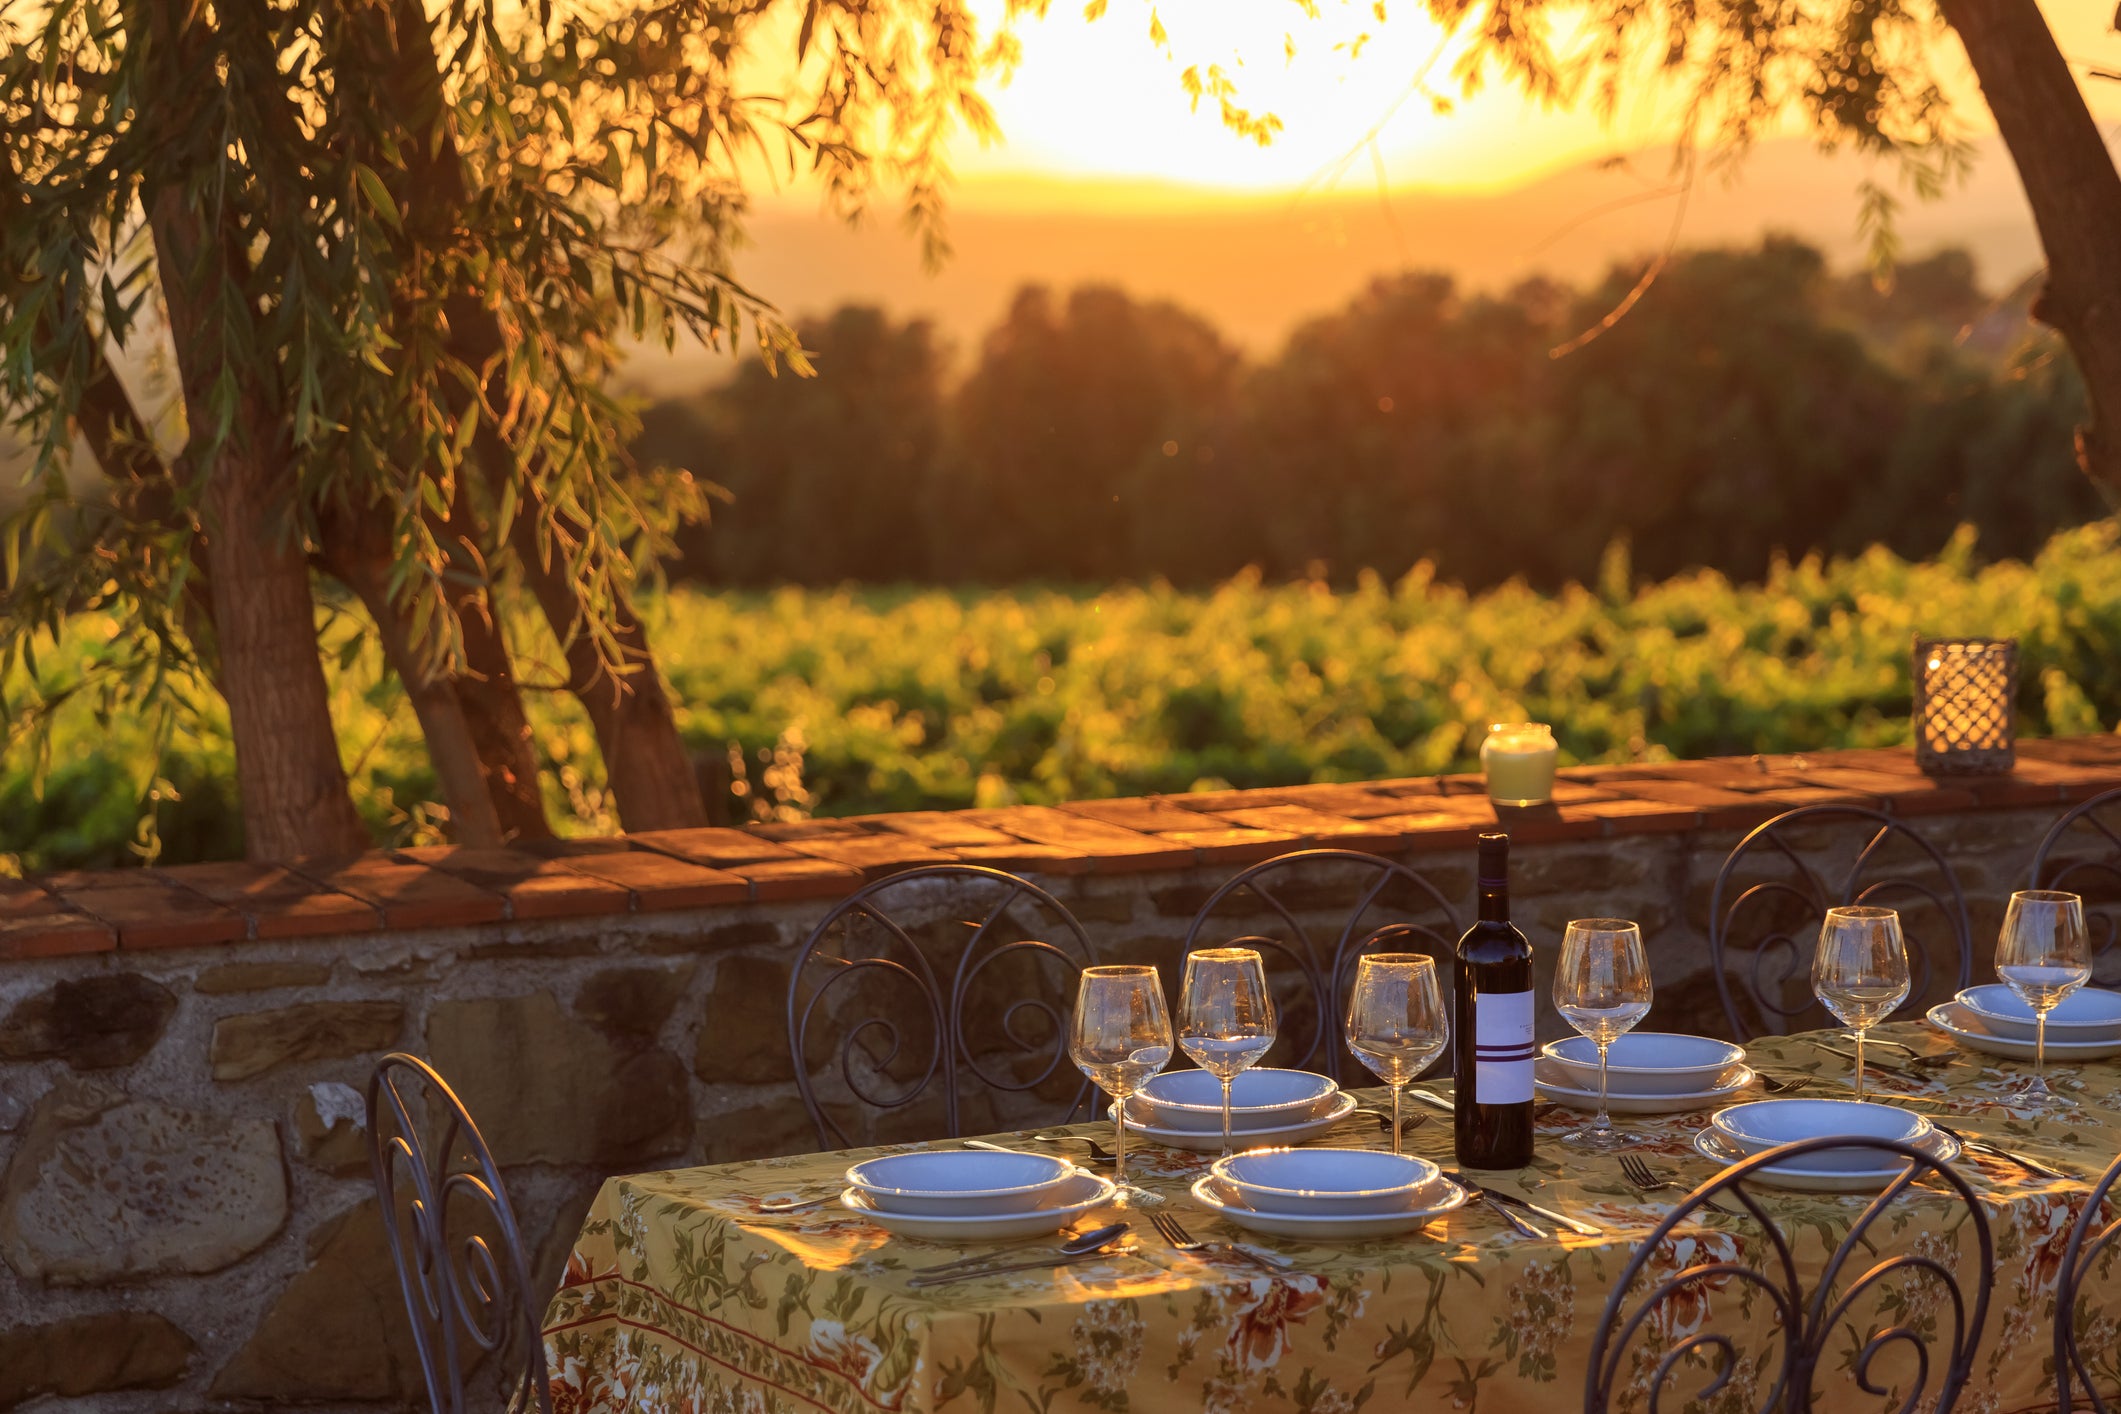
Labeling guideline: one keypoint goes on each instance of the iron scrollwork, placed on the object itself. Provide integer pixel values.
(2096, 876)
(1781, 955)
(462, 1264)
(2091, 1239)
(1682, 1306)
(860, 938)
(1325, 977)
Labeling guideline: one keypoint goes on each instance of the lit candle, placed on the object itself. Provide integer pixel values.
(1519, 759)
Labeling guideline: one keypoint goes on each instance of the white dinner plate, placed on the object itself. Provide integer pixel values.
(1967, 1029)
(959, 1182)
(1077, 1196)
(1211, 1141)
(1218, 1199)
(1263, 1097)
(2089, 1014)
(1939, 1146)
(1345, 1181)
(1547, 1079)
(1646, 1062)
(1759, 1125)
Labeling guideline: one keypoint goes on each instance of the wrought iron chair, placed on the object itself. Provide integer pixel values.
(1655, 1325)
(1780, 913)
(1290, 886)
(462, 1265)
(2062, 862)
(2089, 1238)
(922, 943)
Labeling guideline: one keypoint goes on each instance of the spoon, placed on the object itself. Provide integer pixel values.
(1075, 1246)
(795, 1205)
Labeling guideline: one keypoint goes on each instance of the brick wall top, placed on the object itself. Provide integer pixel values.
(197, 905)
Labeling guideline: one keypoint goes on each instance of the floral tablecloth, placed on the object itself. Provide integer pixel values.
(681, 1297)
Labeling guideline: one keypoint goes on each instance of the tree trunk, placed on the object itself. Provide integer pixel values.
(288, 772)
(645, 763)
(2075, 192)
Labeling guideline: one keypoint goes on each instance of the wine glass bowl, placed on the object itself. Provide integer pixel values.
(1396, 1022)
(1602, 988)
(2043, 954)
(1860, 971)
(1119, 1036)
(1226, 1016)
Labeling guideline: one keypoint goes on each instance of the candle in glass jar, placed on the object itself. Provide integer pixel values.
(1519, 760)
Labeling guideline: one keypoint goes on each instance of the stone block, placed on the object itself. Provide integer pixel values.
(1116, 906)
(761, 1131)
(92, 1354)
(92, 1023)
(1579, 870)
(545, 1087)
(331, 1125)
(252, 1043)
(338, 1331)
(260, 977)
(630, 1001)
(103, 1188)
(744, 1034)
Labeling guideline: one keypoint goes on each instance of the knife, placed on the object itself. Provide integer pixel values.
(1510, 1217)
(1001, 1269)
(1575, 1225)
(1433, 1100)
(1982, 1146)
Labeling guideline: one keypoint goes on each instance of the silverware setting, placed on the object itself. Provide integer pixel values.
(1511, 1216)
(777, 1206)
(1433, 1100)
(1034, 1265)
(1100, 1158)
(1075, 1246)
(1575, 1225)
(1098, 1152)
(1996, 1151)
(1646, 1180)
(1174, 1232)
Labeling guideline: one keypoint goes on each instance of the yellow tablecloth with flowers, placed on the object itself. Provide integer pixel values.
(680, 1297)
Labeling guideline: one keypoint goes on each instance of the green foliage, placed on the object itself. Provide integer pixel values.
(847, 702)
(1752, 403)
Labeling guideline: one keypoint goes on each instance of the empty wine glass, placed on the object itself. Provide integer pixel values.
(2043, 954)
(1602, 988)
(1226, 1017)
(1396, 1022)
(1860, 971)
(1121, 1036)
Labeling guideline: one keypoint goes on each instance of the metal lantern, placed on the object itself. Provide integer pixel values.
(1966, 705)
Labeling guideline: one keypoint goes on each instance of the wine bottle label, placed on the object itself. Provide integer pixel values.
(1502, 1048)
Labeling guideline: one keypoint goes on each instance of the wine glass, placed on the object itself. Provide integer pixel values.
(1121, 1035)
(2043, 954)
(1226, 1017)
(1396, 1022)
(1602, 988)
(1860, 971)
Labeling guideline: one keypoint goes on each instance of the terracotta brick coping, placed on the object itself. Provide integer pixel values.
(194, 905)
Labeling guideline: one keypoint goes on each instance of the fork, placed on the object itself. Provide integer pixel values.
(1098, 1152)
(1785, 1087)
(1643, 1179)
(1172, 1231)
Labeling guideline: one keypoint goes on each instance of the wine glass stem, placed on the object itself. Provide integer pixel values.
(2040, 1053)
(1119, 1141)
(1605, 1121)
(1226, 1115)
(1859, 1062)
(1395, 1118)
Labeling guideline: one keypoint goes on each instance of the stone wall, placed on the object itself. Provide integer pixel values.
(185, 1210)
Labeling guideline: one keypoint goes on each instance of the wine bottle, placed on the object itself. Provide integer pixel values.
(1492, 1039)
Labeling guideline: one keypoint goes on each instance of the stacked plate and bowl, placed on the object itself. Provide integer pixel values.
(1268, 1107)
(1326, 1193)
(952, 1195)
(2085, 1025)
(1741, 1131)
(1647, 1073)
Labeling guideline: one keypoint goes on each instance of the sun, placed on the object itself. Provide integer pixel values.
(1356, 99)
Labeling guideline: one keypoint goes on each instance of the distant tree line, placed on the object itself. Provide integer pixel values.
(1753, 403)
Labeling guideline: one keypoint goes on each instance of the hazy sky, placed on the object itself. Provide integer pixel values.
(1106, 174)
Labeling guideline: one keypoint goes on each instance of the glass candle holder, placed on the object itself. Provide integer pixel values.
(1519, 758)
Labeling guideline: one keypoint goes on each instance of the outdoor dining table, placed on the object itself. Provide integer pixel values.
(681, 1295)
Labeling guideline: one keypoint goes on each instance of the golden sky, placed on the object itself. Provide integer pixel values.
(1099, 103)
